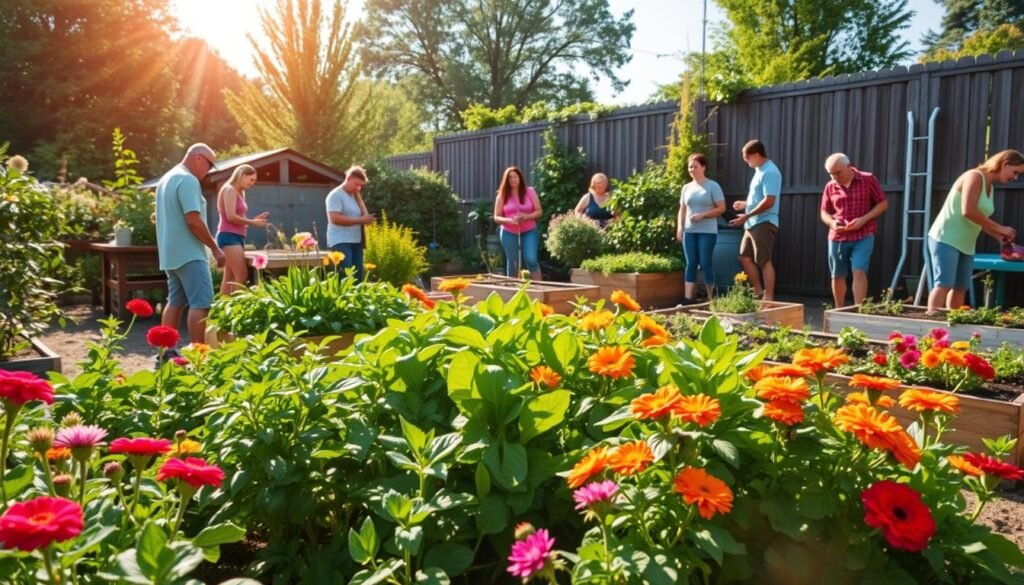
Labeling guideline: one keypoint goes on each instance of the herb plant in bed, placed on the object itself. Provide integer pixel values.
(653, 280)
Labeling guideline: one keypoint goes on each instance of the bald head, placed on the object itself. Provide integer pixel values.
(838, 167)
(199, 160)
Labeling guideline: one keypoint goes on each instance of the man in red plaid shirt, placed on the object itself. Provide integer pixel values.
(849, 205)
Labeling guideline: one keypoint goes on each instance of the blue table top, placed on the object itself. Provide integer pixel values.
(994, 262)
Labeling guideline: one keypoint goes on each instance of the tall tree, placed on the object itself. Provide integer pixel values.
(305, 99)
(775, 41)
(495, 52)
(963, 18)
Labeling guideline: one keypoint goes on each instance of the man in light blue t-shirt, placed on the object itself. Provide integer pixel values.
(182, 238)
(760, 219)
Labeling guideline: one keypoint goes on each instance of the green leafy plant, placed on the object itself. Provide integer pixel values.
(559, 178)
(134, 207)
(572, 239)
(393, 250)
(648, 202)
(85, 215)
(886, 305)
(418, 199)
(632, 262)
(739, 298)
(993, 316)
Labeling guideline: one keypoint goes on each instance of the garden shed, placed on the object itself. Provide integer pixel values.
(290, 185)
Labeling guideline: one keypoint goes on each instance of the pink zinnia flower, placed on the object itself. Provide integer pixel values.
(20, 387)
(80, 436)
(939, 334)
(193, 471)
(909, 359)
(179, 360)
(910, 340)
(308, 244)
(594, 493)
(531, 554)
(259, 261)
(37, 523)
(140, 446)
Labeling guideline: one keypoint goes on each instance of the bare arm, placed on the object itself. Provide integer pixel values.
(498, 211)
(680, 221)
(581, 207)
(198, 227)
(339, 218)
(970, 188)
(538, 211)
(763, 206)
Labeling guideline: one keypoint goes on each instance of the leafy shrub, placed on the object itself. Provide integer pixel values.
(559, 177)
(134, 207)
(420, 200)
(394, 251)
(632, 262)
(648, 202)
(993, 316)
(653, 236)
(738, 299)
(572, 239)
(313, 300)
(85, 215)
(479, 117)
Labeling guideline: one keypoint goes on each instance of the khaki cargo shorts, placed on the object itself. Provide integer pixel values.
(758, 241)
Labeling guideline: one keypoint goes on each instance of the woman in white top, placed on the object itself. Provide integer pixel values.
(701, 201)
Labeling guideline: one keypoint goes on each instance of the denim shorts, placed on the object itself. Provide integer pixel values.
(846, 256)
(951, 268)
(190, 284)
(225, 239)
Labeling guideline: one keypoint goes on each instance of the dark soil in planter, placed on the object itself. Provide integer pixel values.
(910, 312)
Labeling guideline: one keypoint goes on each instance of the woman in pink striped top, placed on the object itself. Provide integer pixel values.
(231, 231)
(516, 210)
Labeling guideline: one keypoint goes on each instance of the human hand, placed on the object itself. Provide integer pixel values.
(679, 235)
(838, 225)
(696, 217)
(740, 220)
(260, 220)
(369, 218)
(520, 217)
(739, 205)
(856, 224)
(218, 255)
(1005, 234)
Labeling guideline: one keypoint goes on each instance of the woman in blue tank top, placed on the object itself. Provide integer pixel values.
(593, 204)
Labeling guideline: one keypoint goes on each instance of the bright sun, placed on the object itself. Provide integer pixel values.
(224, 24)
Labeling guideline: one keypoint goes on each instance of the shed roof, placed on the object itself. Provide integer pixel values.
(225, 167)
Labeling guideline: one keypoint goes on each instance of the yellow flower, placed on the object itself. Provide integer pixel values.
(186, 447)
(336, 257)
(454, 284)
(740, 277)
(961, 345)
(596, 320)
(370, 266)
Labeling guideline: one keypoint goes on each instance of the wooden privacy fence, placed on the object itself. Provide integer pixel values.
(981, 104)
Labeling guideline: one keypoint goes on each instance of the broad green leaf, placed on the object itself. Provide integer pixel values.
(567, 349)
(492, 517)
(463, 336)
(460, 376)
(507, 464)
(453, 558)
(483, 481)
(712, 334)
(359, 549)
(442, 447)
(542, 413)
(220, 534)
(17, 480)
(151, 544)
(409, 539)
(1005, 549)
(727, 451)
(416, 438)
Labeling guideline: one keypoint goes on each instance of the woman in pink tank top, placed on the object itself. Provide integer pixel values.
(231, 230)
(516, 210)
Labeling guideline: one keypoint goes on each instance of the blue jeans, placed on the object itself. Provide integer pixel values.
(698, 249)
(951, 268)
(353, 258)
(855, 255)
(510, 243)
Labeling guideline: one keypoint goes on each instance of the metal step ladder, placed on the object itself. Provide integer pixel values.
(925, 210)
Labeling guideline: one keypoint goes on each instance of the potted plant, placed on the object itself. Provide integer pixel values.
(122, 233)
(740, 304)
(652, 280)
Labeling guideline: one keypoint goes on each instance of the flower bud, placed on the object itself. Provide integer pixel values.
(524, 529)
(113, 471)
(62, 484)
(41, 439)
(179, 435)
(71, 419)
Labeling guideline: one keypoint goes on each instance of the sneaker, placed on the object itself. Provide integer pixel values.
(168, 355)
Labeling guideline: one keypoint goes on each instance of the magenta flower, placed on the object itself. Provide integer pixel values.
(939, 334)
(910, 340)
(909, 359)
(259, 261)
(308, 244)
(594, 493)
(531, 555)
(941, 343)
(895, 335)
(180, 361)
(78, 436)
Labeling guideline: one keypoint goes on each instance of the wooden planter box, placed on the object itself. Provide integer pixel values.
(880, 326)
(558, 295)
(650, 289)
(42, 361)
(771, 313)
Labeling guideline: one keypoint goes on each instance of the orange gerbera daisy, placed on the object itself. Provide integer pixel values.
(788, 370)
(651, 326)
(783, 411)
(545, 376)
(964, 466)
(592, 463)
(862, 398)
(58, 454)
(418, 294)
(655, 341)
(875, 383)
(931, 359)
(596, 320)
(631, 458)
(820, 359)
(755, 373)
(454, 284)
(874, 428)
(953, 357)
(622, 299)
(699, 409)
(905, 449)
(710, 494)
(614, 362)
(921, 400)
(656, 404)
(779, 388)
(545, 309)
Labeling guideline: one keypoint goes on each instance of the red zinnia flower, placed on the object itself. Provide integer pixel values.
(140, 446)
(192, 471)
(139, 307)
(40, 522)
(992, 466)
(162, 336)
(979, 366)
(21, 387)
(905, 520)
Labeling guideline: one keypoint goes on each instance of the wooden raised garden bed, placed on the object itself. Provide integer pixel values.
(650, 289)
(771, 313)
(880, 326)
(39, 359)
(558, 295)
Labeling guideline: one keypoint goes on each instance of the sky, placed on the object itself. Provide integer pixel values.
(665, 31)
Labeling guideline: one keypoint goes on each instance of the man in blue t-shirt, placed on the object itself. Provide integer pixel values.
(760, 219)
(182, 238)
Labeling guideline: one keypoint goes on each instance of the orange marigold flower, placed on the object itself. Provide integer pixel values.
(58, 454)
(820, 359)
(656, 404)
(622, 299)
(614, 362)
(710, 494)
(755, 373)
(592, 463)
(904, 449)
(186, 447)
(655, 341)
(783, 411)
(545, 309)
(699, 409)
(652, 327)
(788, 370)
(964, 465)
(953, 357)
(862, 398)
(545, 376)
(876, 383)
(874, 428)
(931, 359)
(596, 320)
(631, 458)
(454, 284)
(921, 400)
(793, 390)
(418, 294)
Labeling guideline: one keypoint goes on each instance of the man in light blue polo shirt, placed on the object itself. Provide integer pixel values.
(182, 238)
(760, 219)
